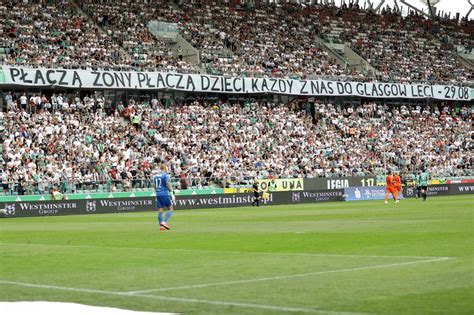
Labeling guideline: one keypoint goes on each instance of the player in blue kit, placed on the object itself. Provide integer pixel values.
(163, 199)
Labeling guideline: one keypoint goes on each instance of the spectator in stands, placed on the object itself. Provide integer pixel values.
(269, 40)
(213, 141)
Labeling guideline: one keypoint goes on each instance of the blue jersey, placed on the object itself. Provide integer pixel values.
(160, 181)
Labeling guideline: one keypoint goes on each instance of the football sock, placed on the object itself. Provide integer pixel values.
(168, 215)
(160, 217)
(424, 196)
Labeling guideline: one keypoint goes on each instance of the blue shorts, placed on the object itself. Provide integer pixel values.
(163, 201)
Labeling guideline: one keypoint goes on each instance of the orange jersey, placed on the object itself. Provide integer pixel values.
(389, 181)
(397, 181)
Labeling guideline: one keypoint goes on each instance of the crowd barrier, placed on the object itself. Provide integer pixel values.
(147, 203)
(189, 186)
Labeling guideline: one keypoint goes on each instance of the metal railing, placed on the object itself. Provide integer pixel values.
(32, 187)
(196, 185)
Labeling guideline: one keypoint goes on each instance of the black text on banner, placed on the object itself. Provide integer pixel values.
(90, 79)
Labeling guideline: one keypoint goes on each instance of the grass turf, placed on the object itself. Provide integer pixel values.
(355, 257)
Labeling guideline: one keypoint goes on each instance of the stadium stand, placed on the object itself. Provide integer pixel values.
(126, 23)
(268, 41)
(403, 49)
(54, 35)
(54, 138)
(80, 142)
(236, 40)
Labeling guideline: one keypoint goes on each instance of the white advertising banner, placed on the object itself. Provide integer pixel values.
(90, 79)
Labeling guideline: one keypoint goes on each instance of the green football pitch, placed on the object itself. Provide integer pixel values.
(349, 257)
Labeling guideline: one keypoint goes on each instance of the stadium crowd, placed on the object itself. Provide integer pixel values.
(236, 40)
(266, 41)
(68, 139)
(59, 35)
(127, 24)
(49, 35)
(63, 138)
(403, 49)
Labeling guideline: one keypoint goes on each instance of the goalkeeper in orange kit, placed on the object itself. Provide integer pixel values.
(397, 181)
(390, 188)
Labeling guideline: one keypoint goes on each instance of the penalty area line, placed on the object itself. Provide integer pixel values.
(179, 299)
(300, 275)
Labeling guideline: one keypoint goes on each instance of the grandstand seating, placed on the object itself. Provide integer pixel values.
(403, 49)
(50, 140)
(80, 142)
(265, 41)
(126, 23)
(54, 35)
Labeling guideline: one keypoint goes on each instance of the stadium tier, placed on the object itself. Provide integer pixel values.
(288, 40)
(74, 140)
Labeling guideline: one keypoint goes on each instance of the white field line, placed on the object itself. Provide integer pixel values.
(381, 221)
(220, 251)
(178, 299)
(361, 220)
(299, 275)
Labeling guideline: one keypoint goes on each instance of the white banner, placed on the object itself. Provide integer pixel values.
(89, 79)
